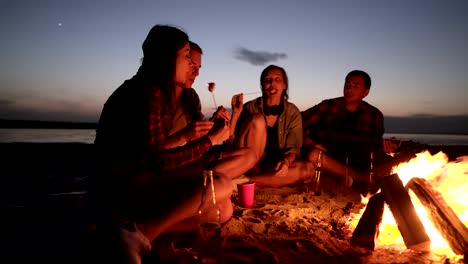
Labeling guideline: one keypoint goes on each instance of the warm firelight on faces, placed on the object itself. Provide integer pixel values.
(448, 178)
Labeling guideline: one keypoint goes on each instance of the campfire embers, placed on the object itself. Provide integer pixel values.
(396, 196)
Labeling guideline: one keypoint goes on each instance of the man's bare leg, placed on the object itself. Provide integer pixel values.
(334, 167)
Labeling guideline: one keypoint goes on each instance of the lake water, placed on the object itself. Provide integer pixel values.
(8, 135)
(37, 135)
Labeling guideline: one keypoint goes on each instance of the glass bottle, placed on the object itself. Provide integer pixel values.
(318, 170)
(346, 181)
(209, 226)
(373, 185)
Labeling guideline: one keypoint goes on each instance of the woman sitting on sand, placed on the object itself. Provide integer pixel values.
(278, 139)
(143, 189)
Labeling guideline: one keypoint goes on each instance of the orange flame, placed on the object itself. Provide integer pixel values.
(448, 178)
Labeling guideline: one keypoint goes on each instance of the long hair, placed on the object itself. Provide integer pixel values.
(285, 78)
(159, 57)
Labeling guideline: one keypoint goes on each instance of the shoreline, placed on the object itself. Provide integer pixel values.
(422, 124)
(87, 136)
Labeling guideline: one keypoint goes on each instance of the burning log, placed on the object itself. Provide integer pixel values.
(441, 214)
(367, 230)
(409, 224)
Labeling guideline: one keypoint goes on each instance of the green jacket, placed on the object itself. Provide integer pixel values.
(289, 124)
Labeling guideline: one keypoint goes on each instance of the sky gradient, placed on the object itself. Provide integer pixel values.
(60, 60)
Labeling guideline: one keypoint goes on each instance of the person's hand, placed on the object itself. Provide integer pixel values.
(282, 168)
(237, 103)
(389, 145)
(197, 129)
(219, 134)
(322, 148)
(221, 112)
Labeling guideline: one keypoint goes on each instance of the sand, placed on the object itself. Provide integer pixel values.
(290, 225)
(43, 215)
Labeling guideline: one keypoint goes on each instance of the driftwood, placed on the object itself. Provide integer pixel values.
(441, 214)
(409, 224)
(367, 230)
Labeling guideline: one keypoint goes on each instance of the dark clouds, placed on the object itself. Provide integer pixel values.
(257, 57)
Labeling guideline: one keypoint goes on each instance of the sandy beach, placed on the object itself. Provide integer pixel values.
(42, 203)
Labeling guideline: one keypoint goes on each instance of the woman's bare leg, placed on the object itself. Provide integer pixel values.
(248, 147)
(235, 162)
(252, 134)
(188, 209)
(299, 171)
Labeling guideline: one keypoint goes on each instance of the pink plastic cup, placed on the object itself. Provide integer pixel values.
(246, 193)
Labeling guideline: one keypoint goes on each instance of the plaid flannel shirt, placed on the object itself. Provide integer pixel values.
(327, 118)
(160, 122)
(133, 128)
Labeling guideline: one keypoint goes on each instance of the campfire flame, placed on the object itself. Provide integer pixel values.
(448, 178)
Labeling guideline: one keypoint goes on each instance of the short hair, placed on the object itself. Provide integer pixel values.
(363, 74)
(283, 72)
(195, 46)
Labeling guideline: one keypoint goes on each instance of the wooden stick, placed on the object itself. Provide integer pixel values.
(409, 224)
(367, 230)
(214, 100)
(441, 214)
(252, 93)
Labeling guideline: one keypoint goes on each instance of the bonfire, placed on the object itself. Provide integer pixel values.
(293, 225)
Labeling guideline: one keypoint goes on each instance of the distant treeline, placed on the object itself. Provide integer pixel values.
(4, 123)
(413, 124)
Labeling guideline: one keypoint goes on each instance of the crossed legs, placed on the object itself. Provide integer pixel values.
(252, 135)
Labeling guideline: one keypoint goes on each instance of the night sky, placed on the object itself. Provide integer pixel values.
(60, 60)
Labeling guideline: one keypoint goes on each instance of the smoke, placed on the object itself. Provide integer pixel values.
(257, 57)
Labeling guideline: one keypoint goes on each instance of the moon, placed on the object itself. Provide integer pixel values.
(59, 24)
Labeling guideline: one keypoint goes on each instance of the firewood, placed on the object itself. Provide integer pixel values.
(410, 226)
(441, 214)
(367, 230)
